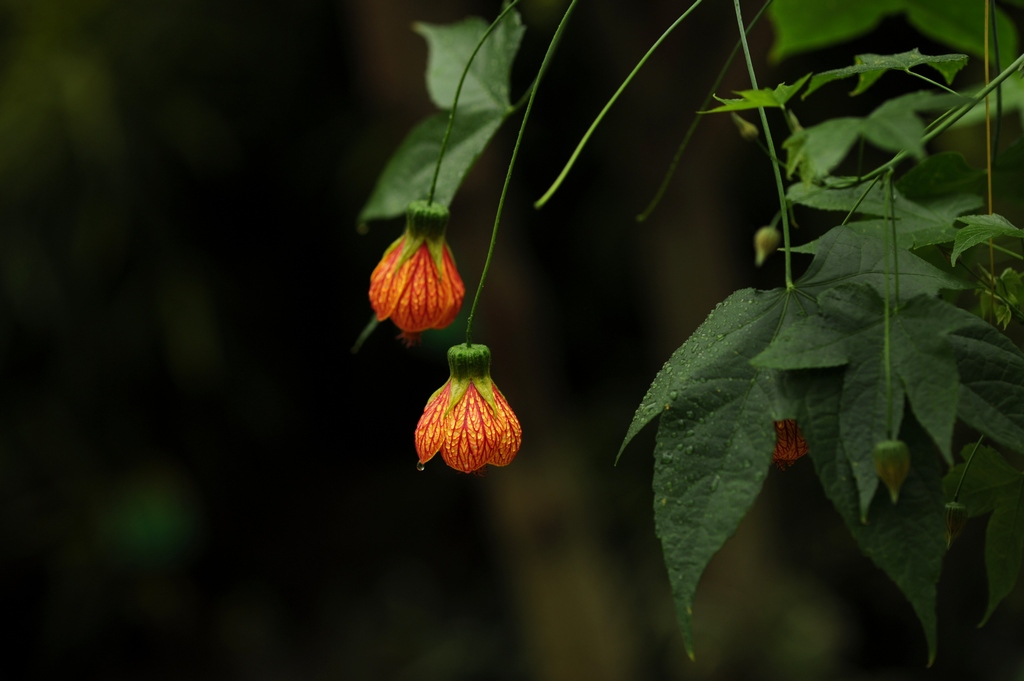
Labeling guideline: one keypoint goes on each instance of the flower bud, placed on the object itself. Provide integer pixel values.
(748, 131)
(892, 462)
(789, 444)
(956, 519)
(794, 124)
(766, 241)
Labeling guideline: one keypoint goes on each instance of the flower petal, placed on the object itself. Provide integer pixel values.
(471, 433)
(430, 429)
(512, 438)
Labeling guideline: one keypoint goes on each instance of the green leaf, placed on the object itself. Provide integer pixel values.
(960, 24)
(918, 224)
(843, 255)
(893, 126)
(982, 228)
(944, 173)
(715, 438)
(450, 47)
(766, 97)
(993, 485)
(407, 176)
(870, 67)
(817, 150)
(483, 107)
(803, 25)
(906, 540)
(991, 372)
(716, 409)
(849, 329)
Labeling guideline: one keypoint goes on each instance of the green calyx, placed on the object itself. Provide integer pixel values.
(471, 364)
(425, 223)
(426, 220)
(892, 462)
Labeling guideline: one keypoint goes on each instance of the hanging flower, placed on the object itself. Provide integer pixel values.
(468, 419)
(416, 283)
(789, 444)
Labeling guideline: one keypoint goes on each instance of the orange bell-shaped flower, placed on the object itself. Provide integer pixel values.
(789, 444)
(416, 283)
(468, 420)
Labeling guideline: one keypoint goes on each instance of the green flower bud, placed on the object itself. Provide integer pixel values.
(766, 241)
(892, 462)
(956, 519)
(748, 131)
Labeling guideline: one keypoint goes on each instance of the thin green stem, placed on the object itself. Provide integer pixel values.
(597, 121)
(1007, 251)
(458, 91)
(890, 199)
(963, 474)
(933, 82)
(949, 120)
(512, 162)
(859, 201)
(887, 329)
(771, 148)
(367, 330)
(696, 121)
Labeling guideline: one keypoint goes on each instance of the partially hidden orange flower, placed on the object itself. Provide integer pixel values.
(789, 444)
(468, 420)
(416, 283)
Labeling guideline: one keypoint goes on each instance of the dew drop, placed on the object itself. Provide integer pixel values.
(673, 395)
(689, 449)
(689, 433)
(679, 446)
(420, 466)
(689, 414)
(700, 421)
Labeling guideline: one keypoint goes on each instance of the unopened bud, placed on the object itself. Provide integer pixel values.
(766, 241)
(892, 462)
(748, 131)
(794, 124)
(956, 519)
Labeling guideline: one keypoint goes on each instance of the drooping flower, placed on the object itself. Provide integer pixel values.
(892, 463)
(789, 444)
(416, 283)
(468, 420)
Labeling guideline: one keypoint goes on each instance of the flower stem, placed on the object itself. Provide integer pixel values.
(887, 345)
(458, 91)
(597, 121)
(956, 495)
(511, 164)
(771, 149)
(696, 121)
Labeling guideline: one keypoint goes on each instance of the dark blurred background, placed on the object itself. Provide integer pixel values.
(198, 480)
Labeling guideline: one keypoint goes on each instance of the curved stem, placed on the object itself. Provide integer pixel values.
(696, 121)
(956, 495)
(511, 164)
(597, 121)
(771, 149)
(458, 91)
